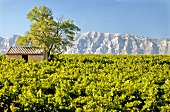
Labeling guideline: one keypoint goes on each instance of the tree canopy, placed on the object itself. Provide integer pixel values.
(46, 32)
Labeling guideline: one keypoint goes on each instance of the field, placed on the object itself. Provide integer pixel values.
(86, 83)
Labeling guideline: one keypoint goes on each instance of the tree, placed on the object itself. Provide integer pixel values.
(45, 32)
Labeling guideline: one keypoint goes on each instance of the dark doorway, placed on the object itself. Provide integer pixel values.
(25, 57)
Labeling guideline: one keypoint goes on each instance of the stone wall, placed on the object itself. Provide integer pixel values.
(14, 56)
(36, 57)
(30, 57)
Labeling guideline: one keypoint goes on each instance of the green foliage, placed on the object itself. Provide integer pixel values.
(86, 83)
(47, 33)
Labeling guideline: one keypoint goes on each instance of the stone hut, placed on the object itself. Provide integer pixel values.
(27, 53)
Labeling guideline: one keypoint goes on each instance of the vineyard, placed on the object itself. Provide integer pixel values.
(86, 83)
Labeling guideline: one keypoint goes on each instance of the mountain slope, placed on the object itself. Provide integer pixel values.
(106, 43)
(1, 39)
(5, 43)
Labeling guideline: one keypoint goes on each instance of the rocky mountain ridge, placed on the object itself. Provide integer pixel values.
(106, 43)
(5, 43)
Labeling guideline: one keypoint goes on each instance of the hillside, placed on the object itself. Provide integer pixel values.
(106, 43)
(5, 43)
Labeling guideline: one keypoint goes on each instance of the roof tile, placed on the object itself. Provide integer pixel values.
(24, 50)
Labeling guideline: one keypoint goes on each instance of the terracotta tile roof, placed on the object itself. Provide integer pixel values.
(24, 50)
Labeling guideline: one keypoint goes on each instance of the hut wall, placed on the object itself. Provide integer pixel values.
(14, 56)
(30, 57)
(36, 57)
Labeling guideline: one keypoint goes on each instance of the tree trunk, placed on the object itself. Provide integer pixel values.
(45, 54)
(49, 51)
(48, 54)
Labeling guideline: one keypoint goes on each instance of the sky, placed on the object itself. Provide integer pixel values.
(150, 18)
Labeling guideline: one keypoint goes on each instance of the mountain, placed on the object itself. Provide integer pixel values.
(106, 43)
(5, 43)
(1, 39)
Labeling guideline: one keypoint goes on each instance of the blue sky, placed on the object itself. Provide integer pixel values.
(150, 18)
